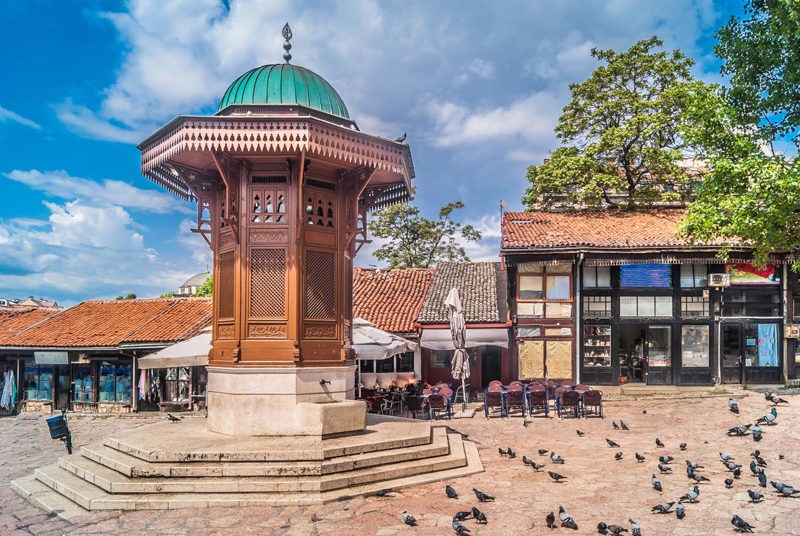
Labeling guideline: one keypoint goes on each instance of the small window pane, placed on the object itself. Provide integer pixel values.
(627, 306)
(530, 287)
(558, 310)
(647, 306)
(687, 275)
(366, 365)
(534, 331)
(603, 276)
(559, 269)
(405, 362)
(663, 306)
(558, 287)
(385, 365)
(694, 346)
(530, 310)
(589, 277)
(659, 353)
(597, 306)
(440, 358)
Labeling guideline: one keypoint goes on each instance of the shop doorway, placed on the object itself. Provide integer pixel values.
(750, 352)
(490, 365)
(63, 385)
(732, 353)
(632, 361)
(645, 353)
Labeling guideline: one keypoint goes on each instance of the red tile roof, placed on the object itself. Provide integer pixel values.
(592, 229)
(390, 299)
(12, 321)
(109, 323)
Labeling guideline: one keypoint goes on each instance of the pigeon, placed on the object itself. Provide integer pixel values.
(635, 529)
(725, 457)
(659, 444)
(680, 510)
(664, 468)
(682, 446)
(755, 454)
(502, 452)
(383, 492)
(741, 525)
(551, 520)
(662, 508)
(757, 433)
(618, 456)
(656, 483)
(754, 468)
(451, 492)
(461, 516)
(401, 139)
(612, 444)
(769, 395)
(173, 418)
(458, 527)
(639, 458)
(737, 472)
(511, 454)
(526, 460)
(762, 480)
(754, 495)
(733, 406)
(623, 425)
(769, 418)
(616, 529)
(730, 466)
(785, 490)
(479, 516)
(699, 478)
(729, 483)
(556, 477)
(580, 434)
(761, 461)
(525, 422)
(482, 497)
(614, 425)
(691, 496)
(542, 452)
(408, 519)
(537, 466)
(739, 430)
(555, 458)
(602, 528)
(566, 520)
(665, 459)
(692, 466)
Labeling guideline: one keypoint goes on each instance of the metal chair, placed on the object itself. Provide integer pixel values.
(515, 398)
(593, 402)
(392, 405)
(414, 404)
(494, 399)
(569, 400)
(537, 400)
(437, 403)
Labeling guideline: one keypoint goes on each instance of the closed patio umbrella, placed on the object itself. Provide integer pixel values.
(460, 363)
(370, 342)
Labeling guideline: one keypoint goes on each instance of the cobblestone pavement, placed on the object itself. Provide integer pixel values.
(597, 487)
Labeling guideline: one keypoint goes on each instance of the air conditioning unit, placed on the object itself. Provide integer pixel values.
(792, 331)
(719, 280)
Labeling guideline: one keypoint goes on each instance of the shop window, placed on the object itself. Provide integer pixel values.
(645, 306)
(796, 308)
(659, 346)
(384, 365)
(761, 345)
(529, 331)
(38, 382)
(597, 346)
(405, 362)
(694, 275)
(596, 276)
(440, 358)
(84, 384)
(115, 383)
(597, 306)
(366, 365)
(694, 346)
(645, 276)
(751, 302)
(694, 306)
(176, 384)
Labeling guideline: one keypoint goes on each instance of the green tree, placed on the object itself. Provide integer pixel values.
(414, 241)
(751, 196)
(621, 134)
(128, 296)
(206, 290)
(169, 294)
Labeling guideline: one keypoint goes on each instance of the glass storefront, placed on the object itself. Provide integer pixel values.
(115, 382)
(38, 381)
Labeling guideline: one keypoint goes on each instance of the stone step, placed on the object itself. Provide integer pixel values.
(135, 467)
(47, 498)
(167, 442)
(450, 454)
(92, 497)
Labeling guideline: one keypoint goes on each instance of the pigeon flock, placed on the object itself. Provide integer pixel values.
(681, 504)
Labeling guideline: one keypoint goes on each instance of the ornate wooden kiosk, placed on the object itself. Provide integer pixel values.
(283, 180)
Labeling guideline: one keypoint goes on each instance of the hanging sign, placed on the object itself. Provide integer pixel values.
(743, 273)
(51, 358)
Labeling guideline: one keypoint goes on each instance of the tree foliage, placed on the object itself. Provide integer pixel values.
(750, 196)
(414, 241)
(128, 296)
(206, 290)
(621, 132)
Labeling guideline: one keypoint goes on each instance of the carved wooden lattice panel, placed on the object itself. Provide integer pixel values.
(320, 297)
(268, 282)
(226, 284)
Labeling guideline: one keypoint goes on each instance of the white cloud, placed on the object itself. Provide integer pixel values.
(108, 192)
(8, 115)
(85, 122)
(198, 249)
(478, 67)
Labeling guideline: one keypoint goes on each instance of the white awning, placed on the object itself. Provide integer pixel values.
(370, 342)
(189, 353)
(441, 339)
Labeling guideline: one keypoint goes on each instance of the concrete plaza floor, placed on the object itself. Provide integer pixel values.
(597, 488)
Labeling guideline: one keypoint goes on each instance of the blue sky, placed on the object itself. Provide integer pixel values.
(478, 87)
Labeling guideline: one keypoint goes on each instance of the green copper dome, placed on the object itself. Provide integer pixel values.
(284, 84)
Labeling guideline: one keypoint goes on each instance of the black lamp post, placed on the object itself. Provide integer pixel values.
(59, 429)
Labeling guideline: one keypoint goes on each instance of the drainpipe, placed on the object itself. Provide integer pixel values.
(785, 285)
(578, 311)
(719, 336)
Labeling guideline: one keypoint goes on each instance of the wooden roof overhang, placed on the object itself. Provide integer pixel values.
(594, 256)
(181, 154)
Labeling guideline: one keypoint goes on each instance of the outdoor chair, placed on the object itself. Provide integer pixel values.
(582, 387)
(537, 400)
(437, 403)
(414, 404)
(494, 400)
(392, 405)
(593, 402)
(569, 400)
(554, 394)
(567, 383)
(459, 395)
(515, 398)
(496, 384)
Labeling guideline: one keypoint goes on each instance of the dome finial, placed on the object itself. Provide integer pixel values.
(287, 46)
